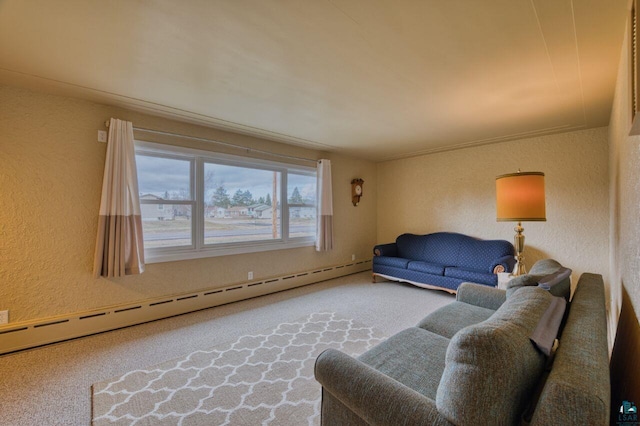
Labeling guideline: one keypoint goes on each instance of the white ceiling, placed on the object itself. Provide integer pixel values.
(379, 79)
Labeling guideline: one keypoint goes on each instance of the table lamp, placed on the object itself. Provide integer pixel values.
(520, 198)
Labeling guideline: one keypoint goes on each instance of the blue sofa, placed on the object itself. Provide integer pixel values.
(443, 260)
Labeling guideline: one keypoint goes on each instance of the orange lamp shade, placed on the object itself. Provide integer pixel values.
(520, 197)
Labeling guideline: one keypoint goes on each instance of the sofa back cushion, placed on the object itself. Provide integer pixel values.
(410, 246)
(492, 367)
(441, 247)
(452, 249)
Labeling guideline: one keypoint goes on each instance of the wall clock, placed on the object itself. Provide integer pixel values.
(356, 191)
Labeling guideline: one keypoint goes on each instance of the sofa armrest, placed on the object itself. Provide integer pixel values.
(503, 264)
(390, 249)
(481, 295)
(371, 395)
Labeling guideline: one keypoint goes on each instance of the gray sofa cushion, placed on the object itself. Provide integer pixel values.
(480, 295)
(413, 357)
(492, 367)
(453, 317)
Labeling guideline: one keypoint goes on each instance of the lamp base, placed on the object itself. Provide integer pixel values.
(518, 243)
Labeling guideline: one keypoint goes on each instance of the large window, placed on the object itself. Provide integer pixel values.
(198, 204)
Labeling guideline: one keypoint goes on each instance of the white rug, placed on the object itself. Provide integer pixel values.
(260, 379)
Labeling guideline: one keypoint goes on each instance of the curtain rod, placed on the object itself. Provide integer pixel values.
(230, 145)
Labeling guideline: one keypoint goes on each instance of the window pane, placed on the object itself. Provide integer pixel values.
(301, 195)
(241, 204)
(166, 178)
(240, 210)
(166, 227)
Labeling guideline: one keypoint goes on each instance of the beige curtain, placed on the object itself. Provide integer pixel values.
(119, 246)
(324, 237)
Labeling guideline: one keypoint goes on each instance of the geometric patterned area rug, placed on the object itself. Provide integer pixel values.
(260, 379)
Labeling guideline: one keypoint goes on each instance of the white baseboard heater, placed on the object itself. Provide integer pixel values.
(29, 334)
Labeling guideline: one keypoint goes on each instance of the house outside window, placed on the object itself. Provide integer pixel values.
(200, 204)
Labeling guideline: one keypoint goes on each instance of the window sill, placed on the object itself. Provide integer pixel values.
(188, 254)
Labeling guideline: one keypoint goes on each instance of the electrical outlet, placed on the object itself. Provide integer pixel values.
(250, 275)
(4, 317)
(353, 257)
(102, 136)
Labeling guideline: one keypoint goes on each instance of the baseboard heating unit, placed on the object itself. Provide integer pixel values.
(29, 334)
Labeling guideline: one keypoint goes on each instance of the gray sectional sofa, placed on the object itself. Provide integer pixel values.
(443, 260)
(474, 362)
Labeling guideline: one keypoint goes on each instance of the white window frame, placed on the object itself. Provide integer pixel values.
(198, 159)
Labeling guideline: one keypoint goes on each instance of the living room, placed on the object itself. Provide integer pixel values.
(51, 173)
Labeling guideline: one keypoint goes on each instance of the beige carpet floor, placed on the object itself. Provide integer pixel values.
(264, 378)
(52, 385)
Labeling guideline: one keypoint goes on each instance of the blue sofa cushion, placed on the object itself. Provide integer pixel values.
(429, 268)
(471, 275)
(396, 262)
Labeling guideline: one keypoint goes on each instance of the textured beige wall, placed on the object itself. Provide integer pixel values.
(625, 195)
(455, 191)
(50, 180)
